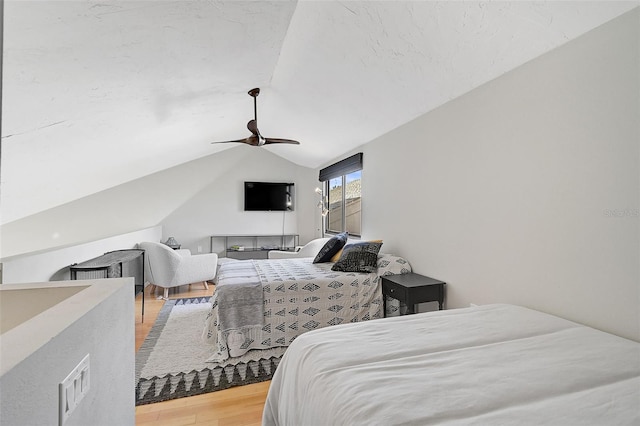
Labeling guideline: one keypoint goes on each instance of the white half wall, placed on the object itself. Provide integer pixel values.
(527, 189)
(53, 265)
(40, 352)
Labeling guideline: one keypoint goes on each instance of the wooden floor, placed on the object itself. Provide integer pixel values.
(240, 405)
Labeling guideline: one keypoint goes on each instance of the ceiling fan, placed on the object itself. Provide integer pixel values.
(256, 139)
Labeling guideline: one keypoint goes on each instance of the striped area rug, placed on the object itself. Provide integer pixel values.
(171, 363)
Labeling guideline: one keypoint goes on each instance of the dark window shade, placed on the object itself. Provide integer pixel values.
(342, 167)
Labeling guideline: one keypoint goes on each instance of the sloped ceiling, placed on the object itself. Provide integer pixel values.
(98, 93)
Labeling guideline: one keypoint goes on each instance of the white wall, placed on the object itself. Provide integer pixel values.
(218, 208)
(98, 321)
(527, 189)
(148, 201)
(53, 265)
(191, 201)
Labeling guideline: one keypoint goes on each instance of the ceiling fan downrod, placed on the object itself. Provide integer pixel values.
(254, 94)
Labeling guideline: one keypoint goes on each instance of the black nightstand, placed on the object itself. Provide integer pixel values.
(412, 289)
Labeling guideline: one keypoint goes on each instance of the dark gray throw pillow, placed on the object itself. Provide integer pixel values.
(358, 257)
(331, 247)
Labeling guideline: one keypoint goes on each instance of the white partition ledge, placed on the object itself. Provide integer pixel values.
(52, 327)
(76, 299)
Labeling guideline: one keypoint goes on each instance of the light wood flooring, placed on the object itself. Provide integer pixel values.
(240, 405)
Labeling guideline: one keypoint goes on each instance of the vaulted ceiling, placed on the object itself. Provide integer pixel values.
(98, 93)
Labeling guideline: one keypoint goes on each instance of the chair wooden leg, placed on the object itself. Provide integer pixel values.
(166, 293)
(206, 286)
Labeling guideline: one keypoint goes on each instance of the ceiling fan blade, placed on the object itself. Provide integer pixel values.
(236, 141)
(251, 140)
(253, 127)
(276, 140)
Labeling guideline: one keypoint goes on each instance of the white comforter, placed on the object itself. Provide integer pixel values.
(299, 296)
(490, 365)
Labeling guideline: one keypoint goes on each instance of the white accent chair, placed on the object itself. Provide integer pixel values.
(168, 268)
(311, 249)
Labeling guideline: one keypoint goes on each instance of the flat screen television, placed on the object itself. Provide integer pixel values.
(268, 196)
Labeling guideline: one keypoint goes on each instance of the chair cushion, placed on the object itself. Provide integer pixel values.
(331, 247)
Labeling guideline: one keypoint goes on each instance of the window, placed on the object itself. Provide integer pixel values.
(342, 188)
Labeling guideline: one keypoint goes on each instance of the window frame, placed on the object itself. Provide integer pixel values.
(341, 170)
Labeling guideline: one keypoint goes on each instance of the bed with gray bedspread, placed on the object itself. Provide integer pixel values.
(261, 304)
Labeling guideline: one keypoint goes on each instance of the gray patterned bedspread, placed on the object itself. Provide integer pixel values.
(298, 296)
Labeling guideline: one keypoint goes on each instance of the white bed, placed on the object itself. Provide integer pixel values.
(293, 296)
(489, 365)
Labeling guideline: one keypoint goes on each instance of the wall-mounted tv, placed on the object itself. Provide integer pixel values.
(268, 196)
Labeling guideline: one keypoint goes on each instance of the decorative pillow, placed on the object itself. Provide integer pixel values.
(358, 257)
(331, 247)
(336, 256)
(389, 264)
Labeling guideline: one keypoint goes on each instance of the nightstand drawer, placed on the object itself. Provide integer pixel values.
(391, 289)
